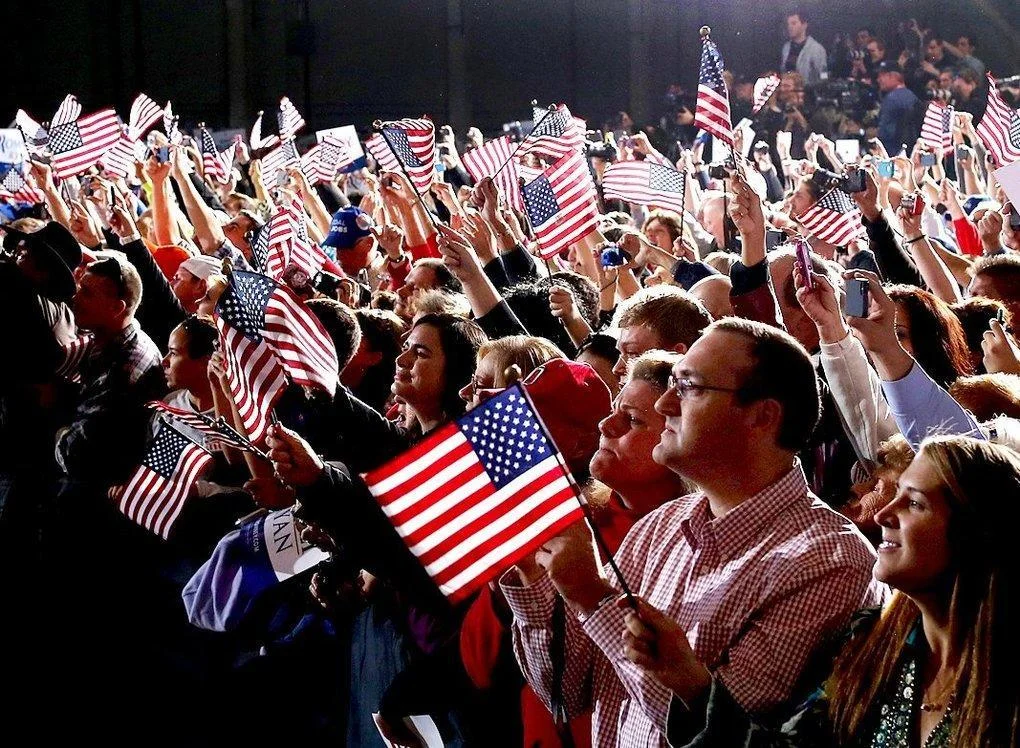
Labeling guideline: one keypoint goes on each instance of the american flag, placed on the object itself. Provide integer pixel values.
(171, 124)
(763, 90)
(121, 158)
(496, 155)
(713, 110)
(14, 188)
(36, 137)
(217, 165)
(266, 333)
(645, 183)
(256, 141)
(216, 429)
(555, 135)
(381, 153)
(156, 492)
(834, 219)
(304, 253)
(75, 352)
(145, 113)
(937, 127)
(78, 144)
(280, 159)
(68, 111)
(999, 129)
(478, 494)
(272, 245)
(289, 119)
(321, 162)
(561, 204)
(413, 141)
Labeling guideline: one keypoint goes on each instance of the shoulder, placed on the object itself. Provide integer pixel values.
(823, 540)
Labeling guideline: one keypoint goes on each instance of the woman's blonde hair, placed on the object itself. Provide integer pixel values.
(526, 352)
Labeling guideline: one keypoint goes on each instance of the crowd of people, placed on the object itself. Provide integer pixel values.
(798, 458)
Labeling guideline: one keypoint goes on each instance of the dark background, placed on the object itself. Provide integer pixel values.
(460, 61)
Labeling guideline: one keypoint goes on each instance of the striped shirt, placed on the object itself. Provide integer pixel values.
(756, 590)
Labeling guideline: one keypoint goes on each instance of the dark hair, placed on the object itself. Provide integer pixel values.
(936, 335)
(445, 280)
(671, 222)
(530, 302)
(460, 340)
(1005, 267)
(123, 276)
(975, 315)
(201, 336)
(972, 38)
(799, 12)
(384, 300)
(602, 345)
(813, 187)
(341, 325)
(968, 74)
(782, 372)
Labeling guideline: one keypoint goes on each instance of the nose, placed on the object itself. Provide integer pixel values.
(612, 426)
(620, 368)
(467, 393)
(668, 404)
(886, 516)
(165, 361)
(404, 360)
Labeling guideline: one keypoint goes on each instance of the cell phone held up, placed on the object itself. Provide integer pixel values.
(913, 203)
(927, 159)
(856, 303)
(613, 256)
(804, 260)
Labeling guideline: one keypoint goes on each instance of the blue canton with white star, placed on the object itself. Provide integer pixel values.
(664, 179)
(1014, 130)
(506, 435)
(553, 125)
(540, 201)
(165, 451)
(260, 246)
(398, 141)
(243, 304)
(712, 67)
(65, 138)
(837, 201)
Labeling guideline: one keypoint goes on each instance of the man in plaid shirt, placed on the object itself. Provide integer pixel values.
(756, 569)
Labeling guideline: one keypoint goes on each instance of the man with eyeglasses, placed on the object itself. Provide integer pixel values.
(756, 569)
(120, 372)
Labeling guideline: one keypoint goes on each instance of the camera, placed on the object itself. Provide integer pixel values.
(614, 256)
(327, 284)
(849, 96)
(852, 181)
(720, 171)
(912, 203)
(928, 159)
(605, 151)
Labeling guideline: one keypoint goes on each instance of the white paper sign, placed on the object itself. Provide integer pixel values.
(12, 147)
(421, 726)
(1009, 177)
(345, 134)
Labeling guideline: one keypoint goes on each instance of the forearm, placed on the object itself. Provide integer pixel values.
(56, 206)
(577, 329)
(934, 272)
(207, 229)
(316, 210)
(893, 260)
(163, 225)
(922, 408)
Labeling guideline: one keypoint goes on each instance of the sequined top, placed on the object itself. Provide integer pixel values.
(897, 722)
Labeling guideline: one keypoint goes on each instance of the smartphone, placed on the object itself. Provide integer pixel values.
(804, 260)
(112, 196)
(927, 159)
(281, 177)
(1000, 315)
(773, 238)
(961, 153)
(856, 304)
(163, 154)
(1014, 217)
(886, 168)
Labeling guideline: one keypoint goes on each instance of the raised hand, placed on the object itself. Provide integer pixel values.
(293, 458)
(1000, 350)
(877, 331)
(658, 645)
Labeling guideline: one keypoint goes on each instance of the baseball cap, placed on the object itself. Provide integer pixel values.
(202, 266)
(347, 226)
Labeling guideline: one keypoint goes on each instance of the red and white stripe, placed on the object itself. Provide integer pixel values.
(382, 154)
(763, 90)
(496, 158)
(255, 378)
(629, 181)
(145, 113)
(936, 128)
(99, 132)
(68, 111)
(576, 196)
(999, 128)
(155, 502)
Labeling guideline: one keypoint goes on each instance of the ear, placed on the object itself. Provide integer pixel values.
(767, 417)
(680, 348)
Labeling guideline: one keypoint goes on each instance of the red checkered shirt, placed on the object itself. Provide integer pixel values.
(756, 590)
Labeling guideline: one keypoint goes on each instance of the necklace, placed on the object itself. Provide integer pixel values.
(940, 702)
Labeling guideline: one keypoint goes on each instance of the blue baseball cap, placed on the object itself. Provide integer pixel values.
(347, 226)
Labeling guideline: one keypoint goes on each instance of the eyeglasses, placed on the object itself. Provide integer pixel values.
(685, 387)
(483, 393)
